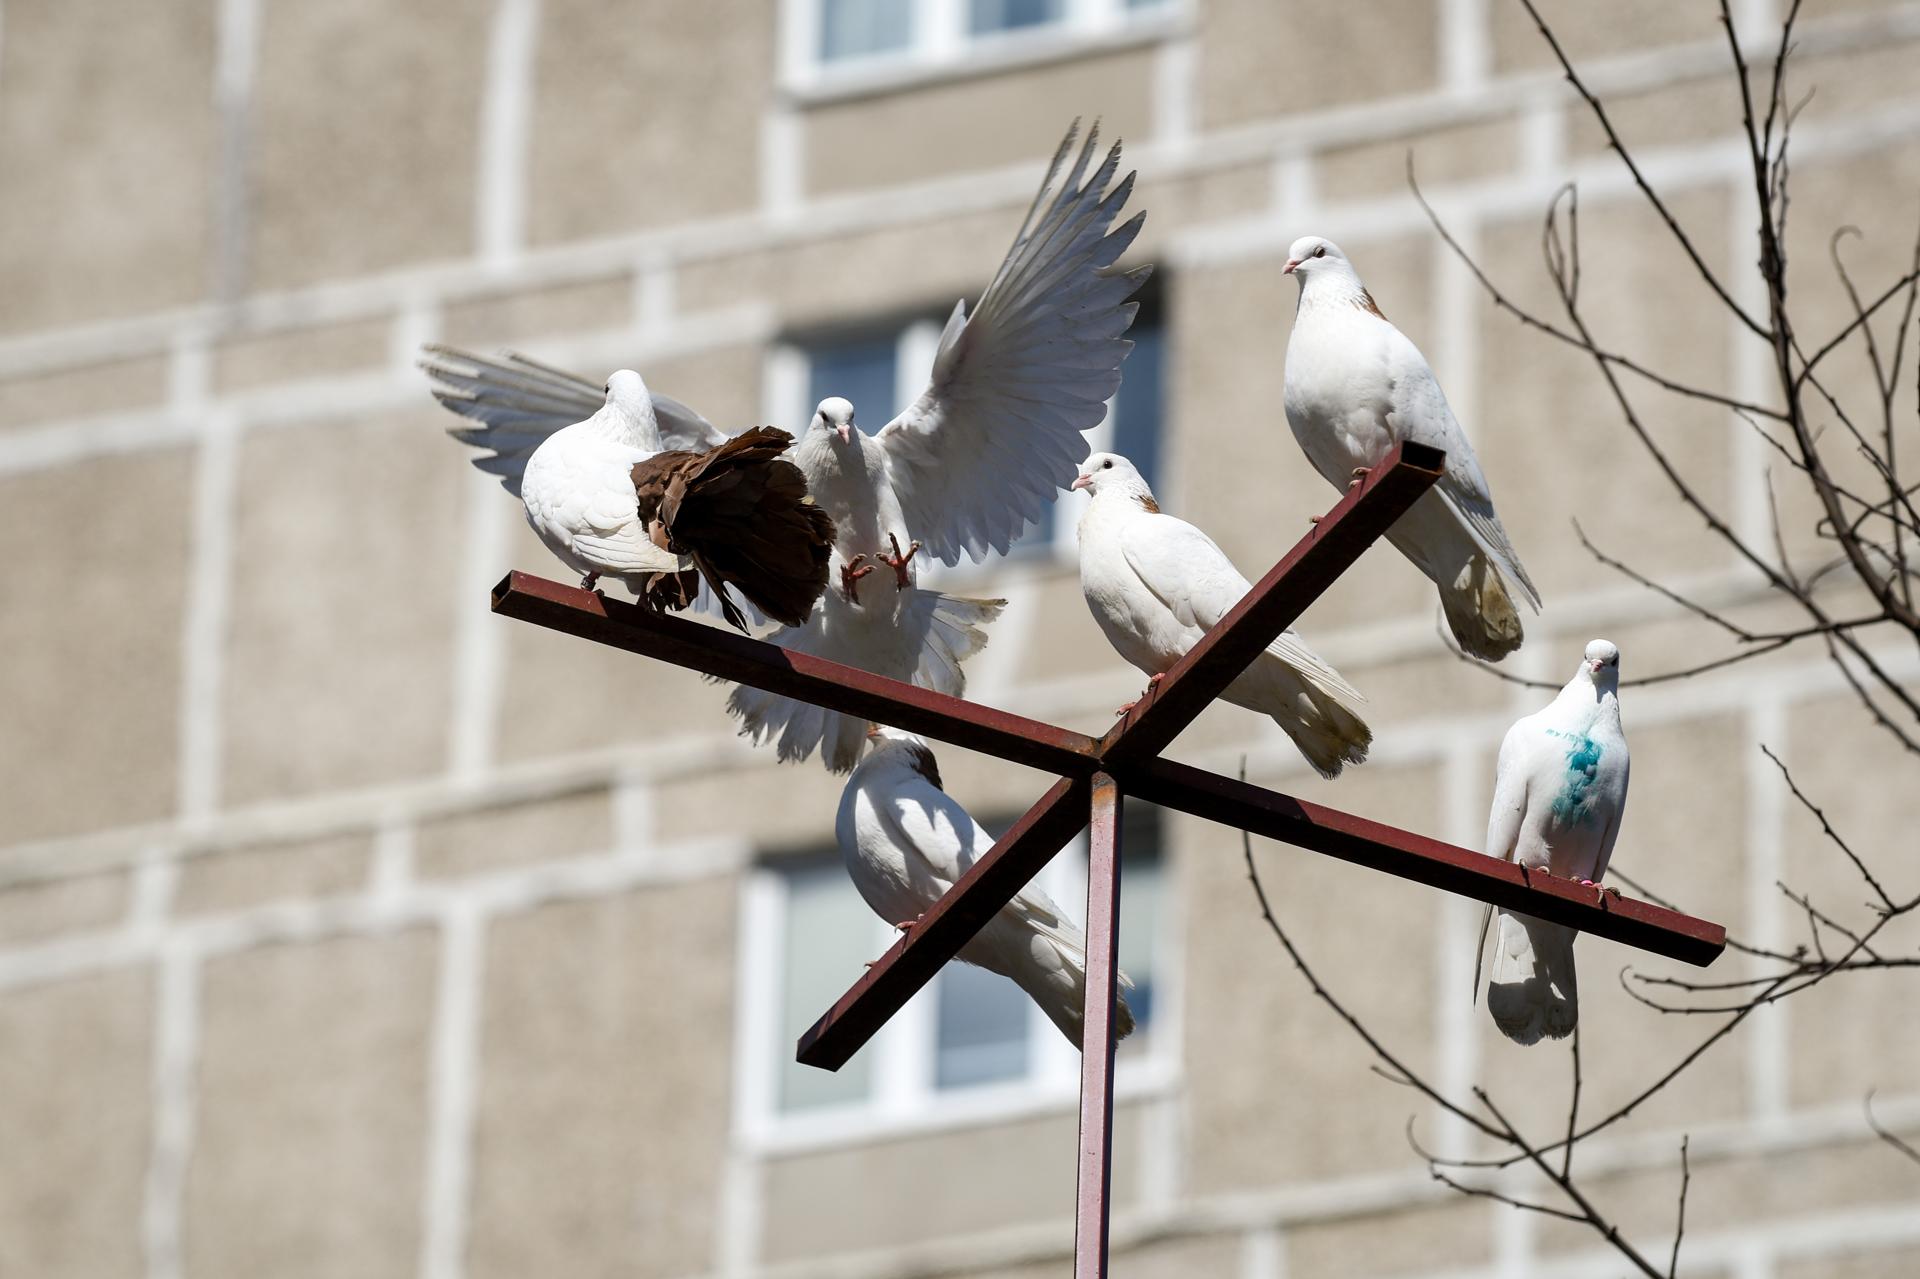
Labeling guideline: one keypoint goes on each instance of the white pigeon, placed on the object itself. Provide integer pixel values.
(608, 499)
(993, 438)
(1355, 388)
(906, 842)
(1559, 791)
(1156, 584)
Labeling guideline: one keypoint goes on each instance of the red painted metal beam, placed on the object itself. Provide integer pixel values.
(1096, 1032)
(912, 961)
(1426, 861)
(848, 689)
(1301, 576)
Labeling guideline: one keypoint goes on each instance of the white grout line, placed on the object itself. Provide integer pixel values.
(234, 69)
(500, 212)
(1263, 1255)
(655, 296)
(1176, 79)
(1750, 376)
(479, 646)
(204, 625)
(155, 879)
(390, 874)
(453, 1092)
(634, 823)
(1768, 1057)
(1466, 44)
(175, 1050)
(783, 164)
(1465, 784)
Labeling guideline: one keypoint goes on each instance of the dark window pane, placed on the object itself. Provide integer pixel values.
(1005, 15)
(983, 1028)
(861, 371)
(852, 28)
(829, 934)
(1137, 407)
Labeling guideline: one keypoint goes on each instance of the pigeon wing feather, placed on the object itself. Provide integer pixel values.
(997, 432)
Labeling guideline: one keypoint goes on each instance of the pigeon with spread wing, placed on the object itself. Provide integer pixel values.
(977, 457)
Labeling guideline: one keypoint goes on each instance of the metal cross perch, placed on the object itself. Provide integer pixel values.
(1093, 773)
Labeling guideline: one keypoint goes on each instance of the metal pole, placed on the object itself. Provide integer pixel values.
(1096, 1037)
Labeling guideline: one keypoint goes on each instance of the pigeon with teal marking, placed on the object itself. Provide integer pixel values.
(1559, 791)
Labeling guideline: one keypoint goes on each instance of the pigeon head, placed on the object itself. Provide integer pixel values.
(1313, 255)
(1110, 473)
(1601, 665)
(632, 409)
(836, 415)
(892, 748)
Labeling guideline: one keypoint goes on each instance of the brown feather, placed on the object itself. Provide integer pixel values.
(1148, 505)
(743, 514)
(1366, 303)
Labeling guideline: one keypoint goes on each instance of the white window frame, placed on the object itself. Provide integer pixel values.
(905, 1098)
(941, 47)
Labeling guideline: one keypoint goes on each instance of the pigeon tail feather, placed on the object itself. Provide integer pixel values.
(1531, 991)
(1056, 980)
(1328, 734)
(1480, 612)
(949, 629)
(1310, 702)
(743, 513)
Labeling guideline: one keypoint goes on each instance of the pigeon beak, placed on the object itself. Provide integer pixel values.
(1291, 264)
(845, 432)
(873, 732)
(1596, 665)
(1081, 482)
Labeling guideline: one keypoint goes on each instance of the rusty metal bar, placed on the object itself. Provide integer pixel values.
(1015, 858)
(1096, 1032)
(1426, 861)
(837, 687)
(1315, 562)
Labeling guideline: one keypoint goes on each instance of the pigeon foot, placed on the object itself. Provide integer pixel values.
(1359, 473)
(1153, 682)
(850, 574)
(898, 562)
(587, 581)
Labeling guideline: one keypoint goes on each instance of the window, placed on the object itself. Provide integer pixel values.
(971, 1045)
(881, 373)
(836, 46)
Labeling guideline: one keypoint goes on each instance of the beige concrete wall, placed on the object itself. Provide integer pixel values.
(348, 930)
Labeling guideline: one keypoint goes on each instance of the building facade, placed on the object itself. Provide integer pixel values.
(348, 930)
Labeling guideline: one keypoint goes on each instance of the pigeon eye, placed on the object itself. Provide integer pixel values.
(1320, 252)
(607, 389)
(1106, 466)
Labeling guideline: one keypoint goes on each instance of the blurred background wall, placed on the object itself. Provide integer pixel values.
(347, 930)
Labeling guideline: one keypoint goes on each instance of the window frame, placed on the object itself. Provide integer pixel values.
(905, 1098)
(941, 47)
